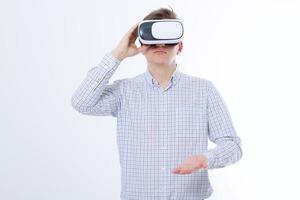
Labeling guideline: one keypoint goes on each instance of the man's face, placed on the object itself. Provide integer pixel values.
(162, 54)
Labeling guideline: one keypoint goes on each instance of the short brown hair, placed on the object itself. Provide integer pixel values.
(161, 13)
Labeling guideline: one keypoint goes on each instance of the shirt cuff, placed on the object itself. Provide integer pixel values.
(106, 67)
(112, 58)
(109, 61)
(210, 157)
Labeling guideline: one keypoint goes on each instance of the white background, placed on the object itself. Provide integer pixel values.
(249, 49)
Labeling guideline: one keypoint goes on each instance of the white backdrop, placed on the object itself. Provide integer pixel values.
(249, 49)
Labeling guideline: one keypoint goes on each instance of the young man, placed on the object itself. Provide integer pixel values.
(164, 120)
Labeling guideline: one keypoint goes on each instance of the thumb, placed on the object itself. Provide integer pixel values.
(143, 48)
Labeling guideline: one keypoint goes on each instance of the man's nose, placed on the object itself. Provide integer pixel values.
(160, 45)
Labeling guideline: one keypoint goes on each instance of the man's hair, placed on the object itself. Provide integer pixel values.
(161, 13)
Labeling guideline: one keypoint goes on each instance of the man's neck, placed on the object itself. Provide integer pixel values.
(162, 73)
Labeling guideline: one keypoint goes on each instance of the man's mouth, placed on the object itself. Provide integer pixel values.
(159, 51)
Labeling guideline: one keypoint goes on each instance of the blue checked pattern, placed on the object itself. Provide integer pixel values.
(158, 128)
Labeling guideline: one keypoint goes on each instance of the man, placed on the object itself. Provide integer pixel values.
(164, 119)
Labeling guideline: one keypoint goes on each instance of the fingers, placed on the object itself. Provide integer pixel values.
(133, 33)
(133, 27)
(188, 169)
(181, 170)
(133, 30)
(176, 171)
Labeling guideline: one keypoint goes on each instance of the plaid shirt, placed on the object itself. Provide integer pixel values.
(158, 128)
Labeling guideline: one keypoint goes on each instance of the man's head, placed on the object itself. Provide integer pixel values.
(162, 54)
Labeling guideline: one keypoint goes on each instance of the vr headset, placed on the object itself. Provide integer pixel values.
(162, 31)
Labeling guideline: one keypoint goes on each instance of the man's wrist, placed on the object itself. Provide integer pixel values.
(209, 157)
(117, 54)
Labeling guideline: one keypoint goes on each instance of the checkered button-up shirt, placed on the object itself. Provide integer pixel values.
(158, 128)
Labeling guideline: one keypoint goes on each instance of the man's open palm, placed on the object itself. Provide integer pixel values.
(191, 164)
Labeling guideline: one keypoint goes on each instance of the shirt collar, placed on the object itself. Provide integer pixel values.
(151, 80)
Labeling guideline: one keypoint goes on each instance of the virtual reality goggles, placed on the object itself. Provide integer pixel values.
(162, 31)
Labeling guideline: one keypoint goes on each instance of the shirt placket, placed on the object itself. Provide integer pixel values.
(163, 150)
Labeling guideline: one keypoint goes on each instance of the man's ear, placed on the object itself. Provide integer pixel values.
(180, 47)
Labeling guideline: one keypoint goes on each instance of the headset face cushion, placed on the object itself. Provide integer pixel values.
(163, 31)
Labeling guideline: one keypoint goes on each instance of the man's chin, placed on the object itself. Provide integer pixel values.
(160, 62)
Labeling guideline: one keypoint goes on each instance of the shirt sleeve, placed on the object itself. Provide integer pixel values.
(221, 132)
(95, 96)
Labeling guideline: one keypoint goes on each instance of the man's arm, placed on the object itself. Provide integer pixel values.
(94, 96)
(221, 132)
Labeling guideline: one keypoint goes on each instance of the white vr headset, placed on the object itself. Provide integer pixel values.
(162, 31)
